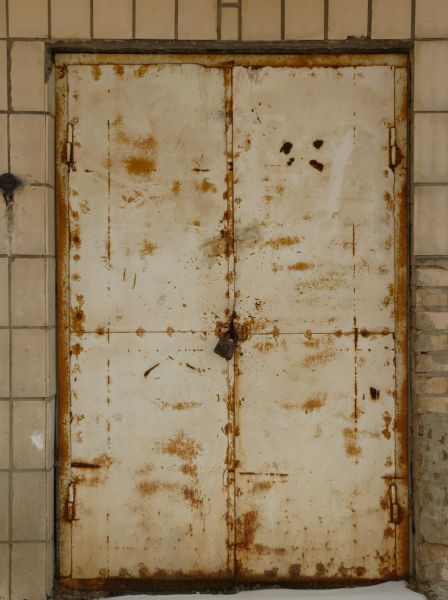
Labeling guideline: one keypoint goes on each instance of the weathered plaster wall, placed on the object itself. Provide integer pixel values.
(27, 347)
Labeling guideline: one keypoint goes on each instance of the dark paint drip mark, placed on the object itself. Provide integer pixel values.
(317, 165)
(286, 147)
(85, 465)
(318, 144)
(146, 373)
(374, 393)
(290, 161)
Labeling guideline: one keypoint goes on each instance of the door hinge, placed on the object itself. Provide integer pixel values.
(69, 159)
(392, 147)
(71, 503)
(394, 506)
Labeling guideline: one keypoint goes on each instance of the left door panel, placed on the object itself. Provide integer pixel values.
(145, 282)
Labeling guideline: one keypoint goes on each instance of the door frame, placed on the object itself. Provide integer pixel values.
(254, 60)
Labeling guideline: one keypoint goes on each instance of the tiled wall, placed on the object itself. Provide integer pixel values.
(27, 348)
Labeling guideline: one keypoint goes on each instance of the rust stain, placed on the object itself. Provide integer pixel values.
(321, 570)
(193, 497)
(390, 296)
(387, 421)
(189, 469)
(148, 371)
(170, 330)
(246, 526)
(141, 70)
(182, 446)
(282, 242)
(100, 330)
(300, 266)
(264, 346)
(175, 188)
(268, 198)
(140, 332)
(314, 402)
(205, 186)
(96, 72)
(147, 249)
(195, 223)
(137, 165)
(85, 208)
(351, 444)
(262, 486)
(178, 405)
(261, 550)
(294, 570)
(119, 70)
(77, 316)
(75, 237)
(76, 349)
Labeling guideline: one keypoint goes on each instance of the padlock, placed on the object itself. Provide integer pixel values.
(226, 346)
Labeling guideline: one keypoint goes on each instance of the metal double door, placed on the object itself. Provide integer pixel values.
(257, 197)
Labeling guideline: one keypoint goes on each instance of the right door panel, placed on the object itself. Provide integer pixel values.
(315, 279)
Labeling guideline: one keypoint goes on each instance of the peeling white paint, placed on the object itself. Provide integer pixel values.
(38, 440)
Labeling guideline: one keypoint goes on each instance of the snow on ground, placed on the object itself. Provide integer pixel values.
(393, 590)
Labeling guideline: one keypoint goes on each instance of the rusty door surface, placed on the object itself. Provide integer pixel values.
(263, 198)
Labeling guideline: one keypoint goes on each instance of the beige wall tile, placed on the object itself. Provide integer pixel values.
(4, 570)
(3, 77)
(431, 148)
(197, 20)
(431, 18)
(112, 19)
(229, 23)
(28, 571)
(3, 145)
(49, 150)
(431, 75)
(29, 507)
(28, 18)
(304, 19)
(154, 19)
(4, 507)
(391, 20)
(431, 220)
(2, 18)
(50, 289)
(50, 567)
(51, 362)
(50, 504)
(4, 291)
(4, 363)
(28, 147)
(50, 223)
(30, 215)
(27, 76)
(29, 434)
(70, 19)
(347, 18)
(4, 435)
(261, 20)
(28, 292)
(50, 93)
(50, 424)
(29, 351)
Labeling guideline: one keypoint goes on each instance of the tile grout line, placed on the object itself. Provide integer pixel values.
(240, 20)
(282, 19)
(369, 18)
(176, 19)
(49, 19)
(91, 19)
(218, 19)
(134, 18)
(10, 421)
